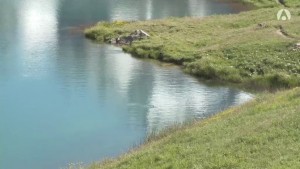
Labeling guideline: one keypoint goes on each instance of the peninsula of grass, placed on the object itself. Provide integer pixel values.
(264, 133)
(251, 48)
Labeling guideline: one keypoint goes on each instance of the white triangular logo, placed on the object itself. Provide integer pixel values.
(284, 15)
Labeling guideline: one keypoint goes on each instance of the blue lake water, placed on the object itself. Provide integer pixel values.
(64, 99)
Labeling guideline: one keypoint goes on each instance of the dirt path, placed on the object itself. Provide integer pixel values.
(282, 34)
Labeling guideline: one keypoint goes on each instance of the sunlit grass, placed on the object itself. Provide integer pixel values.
(244, 48)
(273, 3)
(253, 49)
(263, 133)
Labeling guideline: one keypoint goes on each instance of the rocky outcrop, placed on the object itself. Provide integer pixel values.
(127, 40)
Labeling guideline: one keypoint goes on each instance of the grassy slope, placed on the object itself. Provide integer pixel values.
(230, 48)
(272, 3)
(261, 134)
(264, 133)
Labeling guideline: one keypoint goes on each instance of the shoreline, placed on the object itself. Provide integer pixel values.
(159, 151)
(210, 47)
(238, 136)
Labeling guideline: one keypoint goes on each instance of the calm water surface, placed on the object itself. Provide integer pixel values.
(65, 99)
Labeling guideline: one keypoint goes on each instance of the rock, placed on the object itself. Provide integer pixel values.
(128, 39)
(140, 33)
(118, 39)
(297, 47)
(262, 25)
(143, 33)
(136, 35)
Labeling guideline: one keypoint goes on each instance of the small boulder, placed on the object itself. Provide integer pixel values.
(143, 33)
(262, 25)
(297, 47)
(140, 34)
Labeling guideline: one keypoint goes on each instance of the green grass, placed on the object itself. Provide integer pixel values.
(264, 133)
(272, 3)
(230, 48)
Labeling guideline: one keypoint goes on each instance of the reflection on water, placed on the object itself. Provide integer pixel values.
(139, 10)
(38, 35)
(65, 99)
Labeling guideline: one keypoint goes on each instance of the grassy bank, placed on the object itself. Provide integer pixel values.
(264, 133)
(252, 48)
(272, 3)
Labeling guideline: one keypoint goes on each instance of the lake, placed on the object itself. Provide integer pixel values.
(65, 99)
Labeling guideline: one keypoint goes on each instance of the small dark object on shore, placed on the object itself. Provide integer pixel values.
(296, 47)
(136, 35)
(118, 39)
(262, 25)
(129, 39)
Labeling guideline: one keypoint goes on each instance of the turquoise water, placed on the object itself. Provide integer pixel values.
(64, 99)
